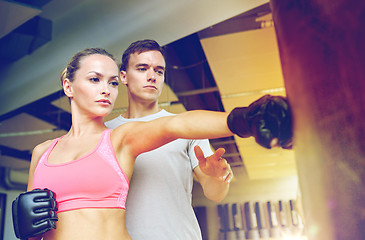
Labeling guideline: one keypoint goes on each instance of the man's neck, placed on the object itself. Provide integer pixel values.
(141, 110)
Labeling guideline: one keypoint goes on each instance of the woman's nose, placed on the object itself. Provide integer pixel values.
(105, 90)
(106, 93)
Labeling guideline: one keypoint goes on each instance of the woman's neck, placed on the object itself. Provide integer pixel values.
(85, 125)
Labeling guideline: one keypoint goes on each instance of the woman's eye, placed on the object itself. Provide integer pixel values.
(94, 79)
(115, 84)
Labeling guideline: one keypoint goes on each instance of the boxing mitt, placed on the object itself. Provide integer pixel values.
(34, 213)
(267, 118)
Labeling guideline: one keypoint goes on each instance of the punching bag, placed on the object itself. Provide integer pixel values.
(322, 51)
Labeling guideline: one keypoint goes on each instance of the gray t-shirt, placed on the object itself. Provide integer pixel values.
(159, 200)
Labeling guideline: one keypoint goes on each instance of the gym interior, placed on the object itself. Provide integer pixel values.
(220, 54)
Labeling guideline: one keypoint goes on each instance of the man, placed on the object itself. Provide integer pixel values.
(159, 200)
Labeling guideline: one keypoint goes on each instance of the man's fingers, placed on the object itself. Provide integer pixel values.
(230, 174)
(214, 165)
(222, 163)
(229, 178)
(199, 154)
(219, 153)
(226, 174)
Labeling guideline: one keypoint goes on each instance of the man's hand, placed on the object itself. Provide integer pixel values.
(214, 165)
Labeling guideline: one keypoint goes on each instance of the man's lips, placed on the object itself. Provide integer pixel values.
(151, 87)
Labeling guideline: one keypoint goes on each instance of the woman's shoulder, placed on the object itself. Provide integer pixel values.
(42, 147)
(123, 129)
(38, 152)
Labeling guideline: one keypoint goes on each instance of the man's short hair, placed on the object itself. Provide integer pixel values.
(139, 47)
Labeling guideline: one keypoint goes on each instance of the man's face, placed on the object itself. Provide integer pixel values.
(145, 76)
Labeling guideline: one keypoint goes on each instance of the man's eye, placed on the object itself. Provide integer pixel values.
(142, 69)
(160, 72)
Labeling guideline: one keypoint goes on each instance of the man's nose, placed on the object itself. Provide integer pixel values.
(151, 76)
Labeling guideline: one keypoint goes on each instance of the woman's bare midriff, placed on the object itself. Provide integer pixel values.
(90, 223)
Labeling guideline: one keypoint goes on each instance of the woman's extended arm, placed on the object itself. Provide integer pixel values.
(266, 119)
(199, 124)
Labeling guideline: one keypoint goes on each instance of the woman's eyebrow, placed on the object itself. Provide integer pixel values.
(97, 73)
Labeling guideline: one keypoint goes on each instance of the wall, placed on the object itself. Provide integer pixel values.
(243, 190)
(9, 231)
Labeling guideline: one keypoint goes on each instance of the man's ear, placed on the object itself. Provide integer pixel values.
(123, 78)
(67, 87)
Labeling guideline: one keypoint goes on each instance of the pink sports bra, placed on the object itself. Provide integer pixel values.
(92, 181)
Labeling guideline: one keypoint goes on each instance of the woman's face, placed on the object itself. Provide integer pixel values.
(95, 86)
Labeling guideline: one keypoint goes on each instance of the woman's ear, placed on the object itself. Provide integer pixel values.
(67, 87)
(123, 78)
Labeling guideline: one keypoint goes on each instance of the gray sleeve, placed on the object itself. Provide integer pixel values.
(114, 123)
(204, 145)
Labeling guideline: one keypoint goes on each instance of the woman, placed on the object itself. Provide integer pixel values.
(89, 168)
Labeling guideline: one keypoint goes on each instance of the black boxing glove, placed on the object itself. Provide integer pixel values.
(34, 213)
(267, 118)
